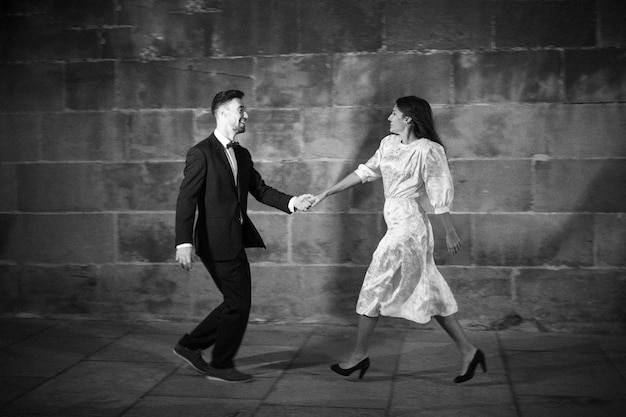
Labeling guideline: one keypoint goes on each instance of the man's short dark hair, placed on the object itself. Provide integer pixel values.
(224, 97)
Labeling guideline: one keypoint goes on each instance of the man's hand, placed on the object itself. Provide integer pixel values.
(183, 257)
(304, 202)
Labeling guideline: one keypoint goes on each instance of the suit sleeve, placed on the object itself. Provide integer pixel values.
(266, 194)
(190, 192)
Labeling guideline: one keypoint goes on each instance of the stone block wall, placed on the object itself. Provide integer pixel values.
(100, 100)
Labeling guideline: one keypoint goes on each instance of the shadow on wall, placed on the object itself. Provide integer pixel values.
(583, 237)
(357, 241)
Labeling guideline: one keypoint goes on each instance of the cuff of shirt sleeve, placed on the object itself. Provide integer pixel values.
(292, 203)
(184, 245)
(361, 175)
(441, 210)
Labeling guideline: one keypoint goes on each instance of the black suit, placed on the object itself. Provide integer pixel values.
(222, 231)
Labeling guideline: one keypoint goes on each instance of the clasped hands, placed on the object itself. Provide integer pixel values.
(305, 202)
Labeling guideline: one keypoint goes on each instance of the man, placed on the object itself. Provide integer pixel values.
(217, 178)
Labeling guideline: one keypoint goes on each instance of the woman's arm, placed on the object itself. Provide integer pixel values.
(452, 239)
(349, 181)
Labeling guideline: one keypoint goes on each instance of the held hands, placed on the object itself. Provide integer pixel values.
(304, 202)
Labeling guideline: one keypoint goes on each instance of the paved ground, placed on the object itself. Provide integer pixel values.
(100, 368)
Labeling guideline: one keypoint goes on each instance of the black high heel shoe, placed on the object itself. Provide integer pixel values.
(479, 358)
(363, 366)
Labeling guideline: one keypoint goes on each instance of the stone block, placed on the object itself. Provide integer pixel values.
(146, 237)
(596, 75)
(444, 24)
(305, 293)
(31, 87)
(492, 185)
(610, 239)
(586, 130)
(90, 85)
(272, 134)
(19, 137)
(518, 76)
(118, 43)
(490, 131)
(352, 133)
(277, 293)
(60, 187)
(141, 186)
(77, 13)
(544, 24)
(84, 136)
(58, 290)
(336, 238)
(381, 79)
(162, 135)
(611, 17)
(463, 225)
(293, 81)
(484, 295)
(80, 44)
(587, 185)
(368, 197)
(10, 302)
(532, 239)
(8, 187)
(57, 238)
(31, 37)
(145, 291)
(341, 26)
(175, 83)
(275, 230)
(563, 298)
(271, 27)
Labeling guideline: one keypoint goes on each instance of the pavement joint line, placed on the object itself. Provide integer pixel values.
(507, 373)
(147, 393)
(394, 374)
(284, 371)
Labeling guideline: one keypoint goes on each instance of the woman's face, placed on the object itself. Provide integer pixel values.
(397, 121)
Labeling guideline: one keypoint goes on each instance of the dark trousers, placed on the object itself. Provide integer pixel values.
(225, 326)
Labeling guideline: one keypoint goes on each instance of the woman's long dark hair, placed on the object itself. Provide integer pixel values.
(421, 116)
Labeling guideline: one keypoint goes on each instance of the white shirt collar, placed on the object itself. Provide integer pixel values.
(220, 136)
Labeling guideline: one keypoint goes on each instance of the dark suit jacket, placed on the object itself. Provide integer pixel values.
(209, 186)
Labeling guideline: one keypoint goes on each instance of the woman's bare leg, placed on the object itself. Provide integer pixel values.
(364, 333)
(452, 326)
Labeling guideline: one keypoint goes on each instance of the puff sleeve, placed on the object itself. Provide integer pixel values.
(437, 179)
(370, 171)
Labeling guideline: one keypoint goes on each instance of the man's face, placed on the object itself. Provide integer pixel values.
(235, 116)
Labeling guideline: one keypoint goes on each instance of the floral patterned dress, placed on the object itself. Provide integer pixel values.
(402, 279)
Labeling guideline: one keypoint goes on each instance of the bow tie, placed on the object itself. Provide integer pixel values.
(232, 144)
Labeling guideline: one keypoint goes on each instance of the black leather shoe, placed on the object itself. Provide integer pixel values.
(192, 357)
(478, 359)
(227, 375)
(362, 366)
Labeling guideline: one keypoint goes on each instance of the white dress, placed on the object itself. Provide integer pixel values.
(402, 279)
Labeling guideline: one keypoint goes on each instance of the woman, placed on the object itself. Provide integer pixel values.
(402, 279)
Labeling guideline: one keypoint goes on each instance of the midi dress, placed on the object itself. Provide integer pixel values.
(402, 279)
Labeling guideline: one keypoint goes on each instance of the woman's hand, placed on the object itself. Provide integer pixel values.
(452, 241)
